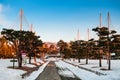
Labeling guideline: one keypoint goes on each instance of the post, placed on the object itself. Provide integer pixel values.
(78, 35)
(21, 14)
(100, 20)
(31, 28)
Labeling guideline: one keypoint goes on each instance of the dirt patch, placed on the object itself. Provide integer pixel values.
(28, 70)
(95, 67)
(104, 69)
(68, 78)
(24, 68)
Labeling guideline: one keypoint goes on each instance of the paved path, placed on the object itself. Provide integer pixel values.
(50, 73)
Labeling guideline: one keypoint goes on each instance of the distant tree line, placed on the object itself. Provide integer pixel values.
(108, 42)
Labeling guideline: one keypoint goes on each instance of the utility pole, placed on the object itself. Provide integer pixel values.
(100, 20)
(74, 39)
(21, 15)
(88, 34)
(31, 28)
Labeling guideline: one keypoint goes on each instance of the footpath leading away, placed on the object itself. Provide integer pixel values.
(50, 73)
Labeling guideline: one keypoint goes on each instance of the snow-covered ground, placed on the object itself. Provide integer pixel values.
(15, 74)
(113, 74)
(63, 70)
(35, 74)
(82, 74)
(9, 73)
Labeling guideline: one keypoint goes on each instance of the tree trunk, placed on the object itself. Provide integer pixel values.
(29, 59)
(35, 59)
(79, 60)
(109, 61)
(86, 60)
(86, 57)
(100, 58)
(100, 62)
(43, 55)
(109, 64)
(19, 56)
(20, 60)
(109, 55)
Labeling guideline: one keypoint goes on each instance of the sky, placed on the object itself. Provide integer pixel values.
(55, 20)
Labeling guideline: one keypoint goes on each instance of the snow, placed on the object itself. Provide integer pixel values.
(35, 74)
(51, 59)
(82, 74)
(7, 73)
(14, 74)
(37, 60)
(65, 69)
(113, 74)
(29, 65)
(66, 73)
